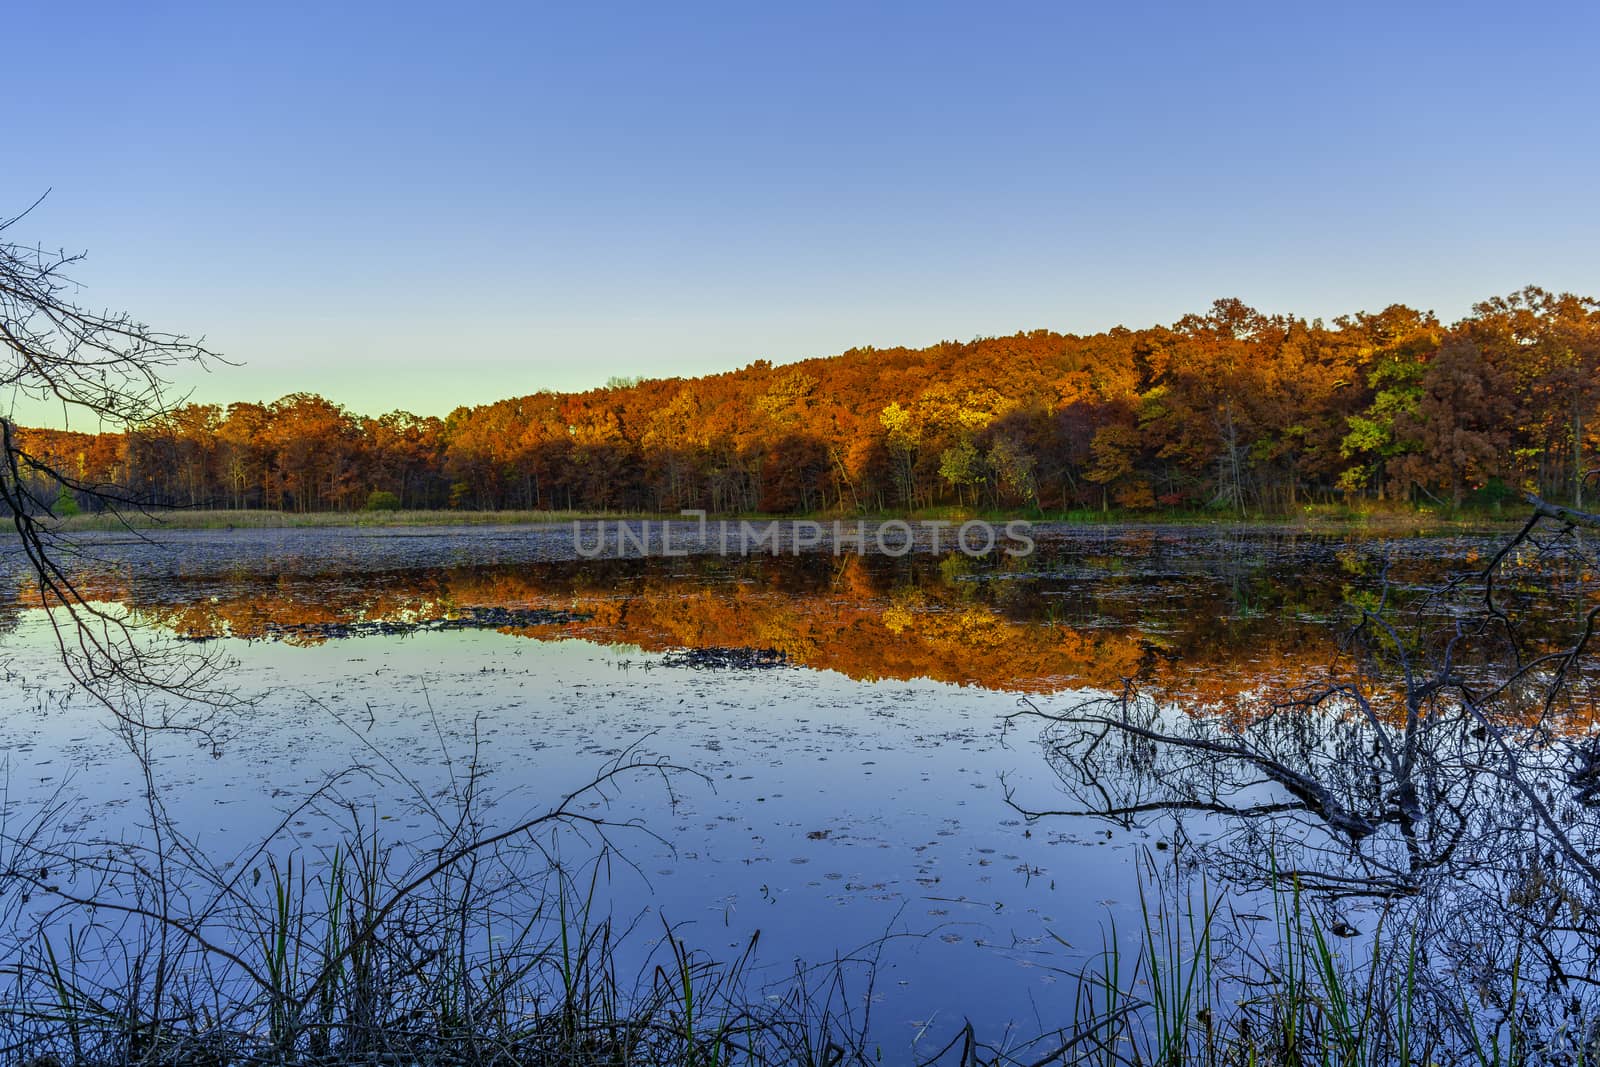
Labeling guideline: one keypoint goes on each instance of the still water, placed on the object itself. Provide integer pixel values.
(852, 797)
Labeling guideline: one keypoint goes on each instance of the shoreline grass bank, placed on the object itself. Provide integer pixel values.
(330, 983)
(1320, 520)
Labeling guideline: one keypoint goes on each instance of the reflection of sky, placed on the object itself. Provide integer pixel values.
(833, 811)
(835, 808)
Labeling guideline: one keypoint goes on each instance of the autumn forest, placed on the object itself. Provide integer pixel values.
(1230, 409)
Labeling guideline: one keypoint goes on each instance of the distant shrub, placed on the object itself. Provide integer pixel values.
(382, 500)
(1135, 495)
(1493, 495)
(66, 505)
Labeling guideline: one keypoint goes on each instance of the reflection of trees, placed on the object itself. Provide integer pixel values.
(1448, 764)
(865, 618)
(9, 612)
(1092, 613)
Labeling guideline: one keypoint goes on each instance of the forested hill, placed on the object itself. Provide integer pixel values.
(1230, 408)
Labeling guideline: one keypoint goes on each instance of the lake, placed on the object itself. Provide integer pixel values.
(844, 722)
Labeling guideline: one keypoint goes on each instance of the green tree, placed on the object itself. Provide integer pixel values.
(961, 466)
(1399, 342)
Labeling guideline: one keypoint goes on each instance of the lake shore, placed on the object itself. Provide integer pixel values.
(1320, 520)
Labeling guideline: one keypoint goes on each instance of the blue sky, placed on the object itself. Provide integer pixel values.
(415, 206)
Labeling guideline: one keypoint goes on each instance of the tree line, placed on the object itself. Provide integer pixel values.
(1233, 409)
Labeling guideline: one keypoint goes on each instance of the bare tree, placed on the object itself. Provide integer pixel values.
(1443, 776)
(113, 369)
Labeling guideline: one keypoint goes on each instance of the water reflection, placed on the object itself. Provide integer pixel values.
(1193, 612)
(838, 806)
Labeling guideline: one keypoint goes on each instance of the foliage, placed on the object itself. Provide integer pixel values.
(382, 500)
(1234, 408)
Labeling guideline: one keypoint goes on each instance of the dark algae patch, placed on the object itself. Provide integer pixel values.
(719, 658)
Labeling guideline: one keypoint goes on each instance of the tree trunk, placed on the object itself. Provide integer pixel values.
(1577, 459)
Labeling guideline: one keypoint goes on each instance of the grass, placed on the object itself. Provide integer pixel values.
(198, 519)
(322, 974)
(327, 973)
(1330, 518)
(1318, 518)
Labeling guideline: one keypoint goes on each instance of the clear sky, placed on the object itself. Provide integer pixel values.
(421, 206)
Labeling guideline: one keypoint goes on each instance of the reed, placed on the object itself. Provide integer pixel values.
(336, 971)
